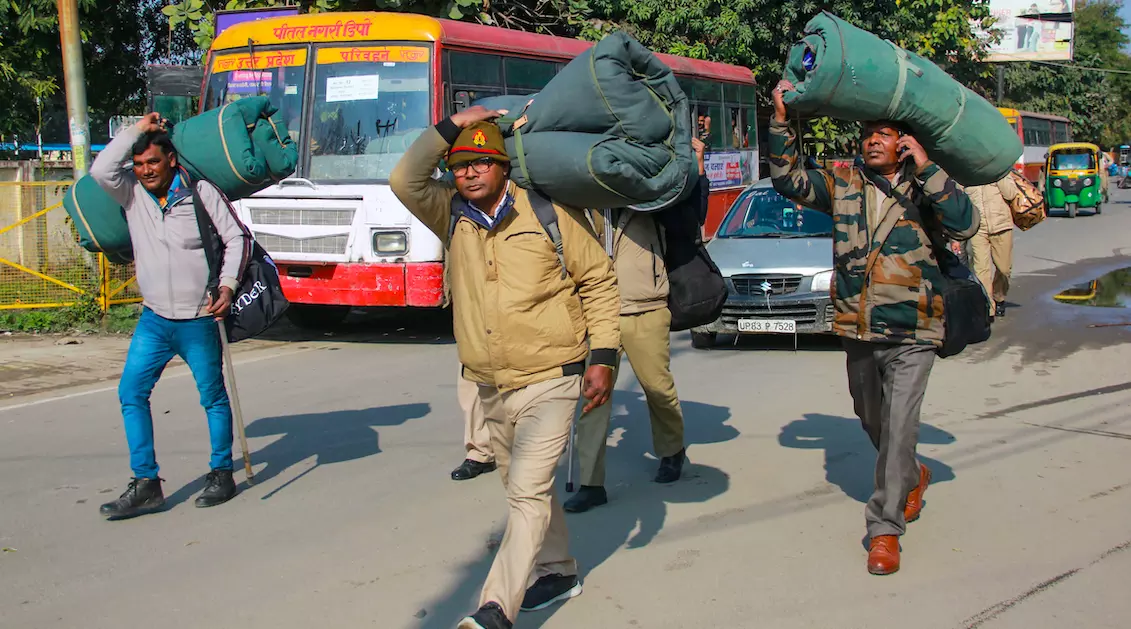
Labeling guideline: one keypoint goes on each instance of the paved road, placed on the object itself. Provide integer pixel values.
(354, 523)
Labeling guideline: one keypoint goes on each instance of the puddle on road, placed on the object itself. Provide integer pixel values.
(1112, 290)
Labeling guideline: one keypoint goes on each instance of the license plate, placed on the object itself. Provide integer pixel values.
(773, 326)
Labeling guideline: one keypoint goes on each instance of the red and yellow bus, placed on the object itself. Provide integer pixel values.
(1037, 132)
(356, 89)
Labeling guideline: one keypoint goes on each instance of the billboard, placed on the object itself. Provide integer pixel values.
(1027, 39)
(228, 19)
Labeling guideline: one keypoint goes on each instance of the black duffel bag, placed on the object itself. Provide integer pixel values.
(258, 302)
(696, 288)
(966, 307)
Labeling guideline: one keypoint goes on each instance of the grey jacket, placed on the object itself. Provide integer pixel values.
(172, 272)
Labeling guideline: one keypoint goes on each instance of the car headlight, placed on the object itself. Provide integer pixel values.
(1088, 181)
(822, 282)
(1056, 183)
(390, 243)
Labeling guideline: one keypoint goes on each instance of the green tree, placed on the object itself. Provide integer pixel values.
(119, 39)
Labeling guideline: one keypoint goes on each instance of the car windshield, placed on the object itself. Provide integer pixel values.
(369, 105)
(763, 213)
(1073, 161)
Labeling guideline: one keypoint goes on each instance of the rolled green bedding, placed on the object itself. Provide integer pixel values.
(612, 129)
(845, 72)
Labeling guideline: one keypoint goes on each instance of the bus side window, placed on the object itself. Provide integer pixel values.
(473, 77)
(525, 76)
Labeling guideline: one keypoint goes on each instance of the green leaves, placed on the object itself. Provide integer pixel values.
(191, 11)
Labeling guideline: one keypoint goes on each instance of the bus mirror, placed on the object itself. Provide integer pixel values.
(462, 100)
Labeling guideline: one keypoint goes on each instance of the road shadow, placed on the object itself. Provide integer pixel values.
(402, 326)
(334, 437)
(850, 458)
(637, 509)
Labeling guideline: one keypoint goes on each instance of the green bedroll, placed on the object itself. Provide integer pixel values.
(99, 221)
(242, 147)
(612, 129)
(845, 72)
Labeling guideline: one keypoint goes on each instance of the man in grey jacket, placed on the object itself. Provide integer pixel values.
(139, 170)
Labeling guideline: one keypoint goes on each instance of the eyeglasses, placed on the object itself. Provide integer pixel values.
(480, 166)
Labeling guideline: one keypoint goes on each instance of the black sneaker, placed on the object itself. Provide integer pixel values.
(490, 616)
(999, 310)
(470, 469)
(218, 489)
(671, 467)
(143, 496)
(549, 590)
(586, 498)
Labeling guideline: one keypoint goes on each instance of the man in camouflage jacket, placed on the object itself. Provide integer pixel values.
(889, 308)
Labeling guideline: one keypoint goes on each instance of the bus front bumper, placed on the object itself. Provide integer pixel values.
(360, 284)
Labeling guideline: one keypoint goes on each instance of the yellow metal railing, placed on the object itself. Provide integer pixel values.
(41, 263)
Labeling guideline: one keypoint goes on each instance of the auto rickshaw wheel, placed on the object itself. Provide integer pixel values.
(1099, 208)
(1071, 207)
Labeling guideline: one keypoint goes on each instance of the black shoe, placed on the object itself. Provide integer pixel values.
(586, 498)
(671, 467)
(218, 489)
(490, 616)
(999, 309)
(143, 496)
(470, 469)
(549, 590)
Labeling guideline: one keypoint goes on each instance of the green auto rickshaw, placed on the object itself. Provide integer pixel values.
(1072, 178)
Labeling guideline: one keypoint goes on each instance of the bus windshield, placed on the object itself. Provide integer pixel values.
(278, 74)
(370, 103)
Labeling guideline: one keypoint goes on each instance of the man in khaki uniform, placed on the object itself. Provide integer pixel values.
(635, 242)
(476, 438)
(991, 249)
(526, 316)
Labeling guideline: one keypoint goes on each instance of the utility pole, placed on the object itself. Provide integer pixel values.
(1000, 84)
(74, 80)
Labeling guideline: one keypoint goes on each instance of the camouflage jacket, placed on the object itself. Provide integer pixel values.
(897, 302)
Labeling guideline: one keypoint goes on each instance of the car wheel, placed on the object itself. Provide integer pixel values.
(312, 317)
(703, 340)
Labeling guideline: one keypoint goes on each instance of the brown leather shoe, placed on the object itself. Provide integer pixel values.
(915, 498)
(883, 554)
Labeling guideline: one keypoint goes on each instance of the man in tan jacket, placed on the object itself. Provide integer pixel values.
(991, 249)
(526, 317)
(635, 242)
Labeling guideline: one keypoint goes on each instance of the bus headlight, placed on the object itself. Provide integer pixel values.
(390, 243)
(822, 282)
(1056, 183)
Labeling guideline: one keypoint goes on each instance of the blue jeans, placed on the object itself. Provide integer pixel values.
(156, 340)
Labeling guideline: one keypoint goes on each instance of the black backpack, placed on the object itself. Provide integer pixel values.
(258, 302)
(696, 288)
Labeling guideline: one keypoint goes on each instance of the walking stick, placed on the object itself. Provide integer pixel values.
(230, 372)
(569, 455)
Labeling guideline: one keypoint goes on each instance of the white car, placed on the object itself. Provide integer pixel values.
(777, 259)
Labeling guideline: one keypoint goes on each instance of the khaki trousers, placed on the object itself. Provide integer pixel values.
(646, 339)
(990, 253)
(529, 429)
(476, 437)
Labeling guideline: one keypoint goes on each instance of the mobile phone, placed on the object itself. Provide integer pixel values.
(903, 149)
